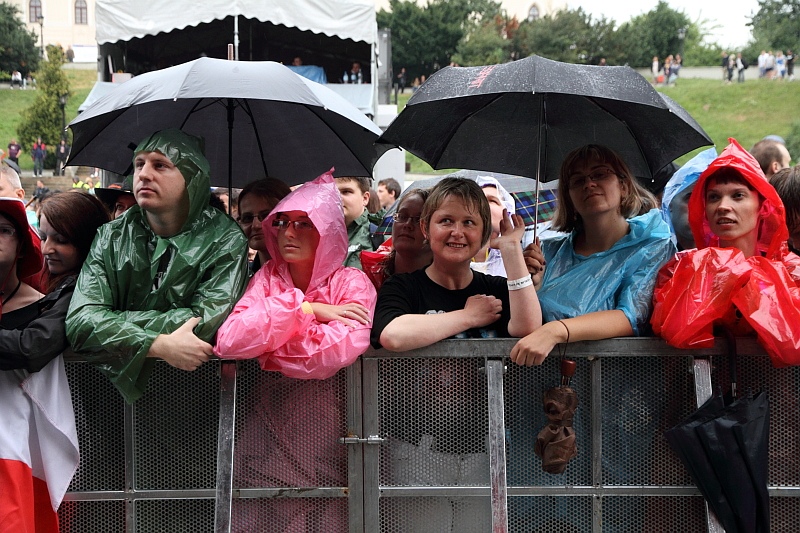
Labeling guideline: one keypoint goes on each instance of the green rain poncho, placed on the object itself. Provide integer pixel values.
(136, 285)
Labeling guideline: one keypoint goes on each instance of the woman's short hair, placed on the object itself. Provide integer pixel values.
(421, 193)
(638, 200)
(470, 194)
(787, 183)
(269, 188)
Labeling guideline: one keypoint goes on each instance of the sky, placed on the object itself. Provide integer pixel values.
(729, 15)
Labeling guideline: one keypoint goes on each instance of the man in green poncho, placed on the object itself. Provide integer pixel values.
(162, 278)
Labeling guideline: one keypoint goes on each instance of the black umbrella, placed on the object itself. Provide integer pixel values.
(257, 118)
(523, 117)
(725, 449)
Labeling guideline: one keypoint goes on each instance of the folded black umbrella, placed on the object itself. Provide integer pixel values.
(725, 447)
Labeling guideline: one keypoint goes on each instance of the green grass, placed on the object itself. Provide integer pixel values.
(13, 103)
(745, 111)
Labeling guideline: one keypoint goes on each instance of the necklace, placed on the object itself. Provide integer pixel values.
(12, 292)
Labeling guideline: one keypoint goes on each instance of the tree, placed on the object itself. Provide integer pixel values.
(424, 39)
(490, 43)
(18, 50)
(655, 33)
(776, 25)
(568, 35)
(43, 118)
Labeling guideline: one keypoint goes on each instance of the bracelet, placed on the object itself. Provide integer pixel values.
(521, 283)
(565, 327)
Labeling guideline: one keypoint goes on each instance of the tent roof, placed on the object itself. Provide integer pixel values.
(123, 20)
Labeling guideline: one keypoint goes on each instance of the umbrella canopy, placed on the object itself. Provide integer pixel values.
(523, 117)
(257, 118)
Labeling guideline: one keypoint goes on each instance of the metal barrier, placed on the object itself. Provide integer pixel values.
(437, 439)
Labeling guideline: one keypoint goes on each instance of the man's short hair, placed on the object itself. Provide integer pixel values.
(392, 186)
(787, 183)
(766, 151)
(365, 184)
(10, 171)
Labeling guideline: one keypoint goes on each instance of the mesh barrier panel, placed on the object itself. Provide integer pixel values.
(661, 514)
(175, 429)
(550, 514)
(92, 517)
(100, 422)
(174, 516)
(287, 433)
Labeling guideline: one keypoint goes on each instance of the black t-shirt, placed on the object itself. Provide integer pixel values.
(416, 293)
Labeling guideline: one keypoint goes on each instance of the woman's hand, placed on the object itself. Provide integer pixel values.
(534, 348)
(483, 309)
(348, 314)
(511, 230)
(534, 261)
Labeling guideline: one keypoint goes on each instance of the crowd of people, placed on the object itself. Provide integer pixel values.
(162, 267)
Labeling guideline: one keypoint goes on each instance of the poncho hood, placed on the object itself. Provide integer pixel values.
(505, 196)
(772, 230)
(684, 177)
(186, 152)
(320, 199)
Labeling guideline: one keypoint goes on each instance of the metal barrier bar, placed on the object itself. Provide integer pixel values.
(225, 444)
(497, 444)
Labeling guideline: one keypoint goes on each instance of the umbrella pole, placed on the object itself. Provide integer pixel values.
(542, 133)
(230, 151)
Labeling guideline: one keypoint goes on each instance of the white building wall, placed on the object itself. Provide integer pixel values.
(59, 27)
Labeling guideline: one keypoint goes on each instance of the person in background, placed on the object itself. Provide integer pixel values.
(488, 260)
(14, 149)
(388, 192)
(304, 316)
(787, 185)
(675, 201)
(62, 151)
(771, 155)
(90, 186)
(161, 279)
(38, 153)
(222, 194)
(354, 75)
(117, 197)
(407, 249)
(256, 202)
(374, 205)
(355, 197)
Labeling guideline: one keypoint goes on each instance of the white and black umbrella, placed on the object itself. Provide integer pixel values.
(258, 119)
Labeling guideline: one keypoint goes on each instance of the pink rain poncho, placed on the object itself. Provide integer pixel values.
(291, 426)
(711, 286)
(269, 323)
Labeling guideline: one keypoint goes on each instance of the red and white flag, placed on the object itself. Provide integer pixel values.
(38, 447)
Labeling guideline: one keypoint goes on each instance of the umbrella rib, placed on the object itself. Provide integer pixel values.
(246, 106)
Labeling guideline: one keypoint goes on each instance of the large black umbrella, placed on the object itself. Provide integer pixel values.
(257, 118)
(523, 117)
(724, 445)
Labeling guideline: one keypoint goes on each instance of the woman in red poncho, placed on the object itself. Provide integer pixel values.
(742, 275)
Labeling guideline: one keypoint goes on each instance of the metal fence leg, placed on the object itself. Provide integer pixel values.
(225, 443)
(497, 445)
(702, 391)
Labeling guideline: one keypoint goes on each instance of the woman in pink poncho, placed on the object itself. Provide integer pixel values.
(304, 316)
(742, 275)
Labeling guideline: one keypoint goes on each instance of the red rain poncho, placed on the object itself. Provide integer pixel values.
(719, 286)
(269, 323)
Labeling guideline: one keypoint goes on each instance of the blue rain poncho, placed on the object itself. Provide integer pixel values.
(684, 177)
(622, 277)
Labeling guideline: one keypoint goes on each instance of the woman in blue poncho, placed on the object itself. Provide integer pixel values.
(599, 278)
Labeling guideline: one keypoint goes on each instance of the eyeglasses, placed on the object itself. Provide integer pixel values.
(576, 181)
(402, 218)
(7, 231)
(247, 218)
(299, 225)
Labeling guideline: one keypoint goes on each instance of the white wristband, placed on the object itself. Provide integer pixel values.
(521, 283)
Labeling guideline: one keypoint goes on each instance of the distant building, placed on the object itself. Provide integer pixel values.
(69, 23)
